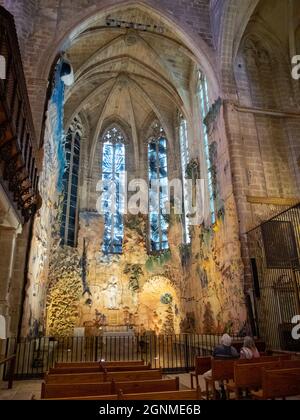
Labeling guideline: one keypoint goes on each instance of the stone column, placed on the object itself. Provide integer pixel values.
(7, 252)
(17, 280)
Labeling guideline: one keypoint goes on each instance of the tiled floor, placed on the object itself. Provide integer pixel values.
(22, 390)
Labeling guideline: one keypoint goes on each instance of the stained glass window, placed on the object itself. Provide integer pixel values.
(184, 152)
(113, 203)
(70, 188)
(204, 107)
(158, 195)
(57, 99)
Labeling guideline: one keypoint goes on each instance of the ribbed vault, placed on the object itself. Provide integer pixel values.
(129, 73)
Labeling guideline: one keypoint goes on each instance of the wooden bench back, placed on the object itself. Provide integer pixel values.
(88, 398)
(222, 369)
(95, 364)
(285, 356)
(280, 383)
(75, 378)
(202, 364)
(159, 396)
(125, 368)
(290, 364)
(137, 387)
(165, 395)
(99, 368)
(75, 390)
(124, 363)
(145, 375)
(250, 375)
(60, 365)
(84, 369)
(263, 359)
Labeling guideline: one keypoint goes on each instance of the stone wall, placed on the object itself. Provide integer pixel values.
(44, 28)
(261, 127)
(46, 227)
(257, 174)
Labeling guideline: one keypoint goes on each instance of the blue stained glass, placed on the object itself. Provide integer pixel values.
(158, 195)
(113, 203)
(57, 98)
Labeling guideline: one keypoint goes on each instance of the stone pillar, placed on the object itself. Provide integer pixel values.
(7, 247)
(17, 280)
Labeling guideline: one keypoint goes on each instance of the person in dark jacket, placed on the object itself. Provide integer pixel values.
(225, 349)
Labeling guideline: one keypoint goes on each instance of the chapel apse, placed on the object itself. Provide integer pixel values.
(194, 286)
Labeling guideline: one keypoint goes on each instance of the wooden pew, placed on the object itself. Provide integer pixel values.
(99, 368)
(54, 391)
(84, 369)
(223, 369)
(78, 378)
(220, 370)
(125, 368)
(75, 378)
(95, 364)
(50, 391)
(95, 398)
(155, 396)
(279, 383)
(248, 376)
(202, 365)
(137, 387)
(264, 359)
(124, 363)
(290, 364)
(160, 396)
(135, 376)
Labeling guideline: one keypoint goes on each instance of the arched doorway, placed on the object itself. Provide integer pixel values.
(159, 306)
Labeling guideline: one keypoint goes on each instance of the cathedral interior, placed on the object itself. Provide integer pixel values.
(136, 92)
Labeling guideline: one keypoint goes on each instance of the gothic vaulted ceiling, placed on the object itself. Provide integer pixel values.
(129, 66)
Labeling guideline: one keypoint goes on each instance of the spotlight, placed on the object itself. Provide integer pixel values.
(67, 73)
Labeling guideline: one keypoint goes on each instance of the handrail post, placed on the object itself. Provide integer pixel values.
(96, 349)
(186, 352)
(11, 372)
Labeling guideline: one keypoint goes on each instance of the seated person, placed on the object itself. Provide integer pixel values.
(249, 350)
(223, 351)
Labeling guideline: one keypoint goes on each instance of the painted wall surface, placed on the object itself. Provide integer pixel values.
(119, 290)
(189, 288)
(46, 222)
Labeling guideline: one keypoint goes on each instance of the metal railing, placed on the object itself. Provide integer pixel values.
(274, 249)
(172, 353)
